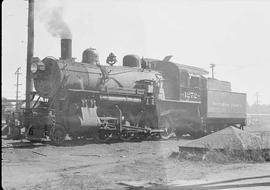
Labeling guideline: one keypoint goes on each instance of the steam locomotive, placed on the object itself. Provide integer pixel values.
(143, 98)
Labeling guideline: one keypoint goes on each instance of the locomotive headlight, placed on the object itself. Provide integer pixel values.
(34, 68)
(41, 66)
(37, 66)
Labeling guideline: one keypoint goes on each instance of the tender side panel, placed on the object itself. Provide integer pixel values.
(178, 111)
(221, 104)
(214, 84)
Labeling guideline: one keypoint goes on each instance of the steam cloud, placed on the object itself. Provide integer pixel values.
(51, 14)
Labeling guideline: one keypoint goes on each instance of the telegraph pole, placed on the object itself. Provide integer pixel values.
(212, 66)
(257, 109)
(17, 73)
(30, 48)
(257, 98)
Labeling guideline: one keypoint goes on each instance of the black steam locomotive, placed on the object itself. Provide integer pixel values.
(144, 98)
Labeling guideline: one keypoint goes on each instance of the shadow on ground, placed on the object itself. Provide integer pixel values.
(212, 185)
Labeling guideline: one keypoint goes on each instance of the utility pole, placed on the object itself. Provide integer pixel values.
(30, 51)
(212, 67)
(30, 48)
(257, 98)
(257, 109)
(17, 73)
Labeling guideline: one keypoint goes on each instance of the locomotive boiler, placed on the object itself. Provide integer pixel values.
(50, 73)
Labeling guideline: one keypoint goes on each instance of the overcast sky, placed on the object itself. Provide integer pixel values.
(234, 35)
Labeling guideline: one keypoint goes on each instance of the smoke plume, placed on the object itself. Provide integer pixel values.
(51, 14)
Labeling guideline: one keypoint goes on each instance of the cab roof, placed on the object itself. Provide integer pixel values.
(188, 68)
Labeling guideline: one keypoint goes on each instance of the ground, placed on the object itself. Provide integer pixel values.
(86, 165)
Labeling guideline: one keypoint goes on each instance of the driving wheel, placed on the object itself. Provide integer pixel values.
(57, 134)
(166, 126)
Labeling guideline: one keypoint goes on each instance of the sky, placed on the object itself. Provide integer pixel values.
(233, 35)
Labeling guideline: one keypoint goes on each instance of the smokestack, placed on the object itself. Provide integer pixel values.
(66, 48)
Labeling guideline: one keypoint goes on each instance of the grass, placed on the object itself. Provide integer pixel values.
(229, 156)
(226, 155)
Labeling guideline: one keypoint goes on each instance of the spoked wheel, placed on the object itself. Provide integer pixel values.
(197, 134)
(14, 133)
(137, 137)
(154, 137)
(179, 133)
(166, 126)
(35, 140)
(103, 136)
(147, 121)
(57, 134)
(125, 136)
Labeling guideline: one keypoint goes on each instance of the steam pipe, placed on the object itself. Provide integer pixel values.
(120, 118)
(120, 99)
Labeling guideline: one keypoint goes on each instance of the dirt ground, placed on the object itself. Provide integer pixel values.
(86, 165)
